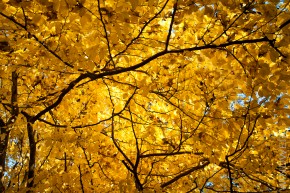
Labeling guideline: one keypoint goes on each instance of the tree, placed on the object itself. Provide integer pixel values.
(148, 96)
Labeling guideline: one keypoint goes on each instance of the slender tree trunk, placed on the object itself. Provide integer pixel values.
(32, 154)
(4, 129)
(3, 148)
(32, 151)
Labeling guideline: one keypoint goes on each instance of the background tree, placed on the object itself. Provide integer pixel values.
(152, 96)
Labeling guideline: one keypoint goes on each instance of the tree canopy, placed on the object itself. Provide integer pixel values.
(144, 95)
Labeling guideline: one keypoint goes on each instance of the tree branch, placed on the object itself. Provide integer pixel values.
(284, 24)
(184, 174)
(81, 180)
(168, 154)
(230, 174)
(171, 25)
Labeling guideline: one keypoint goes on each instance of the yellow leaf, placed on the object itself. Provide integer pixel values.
(85, 20)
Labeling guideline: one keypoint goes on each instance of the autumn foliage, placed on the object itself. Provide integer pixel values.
(144, 95)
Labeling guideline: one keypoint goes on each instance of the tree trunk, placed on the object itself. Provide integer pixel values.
(4, 135)
(3, 148)
(32, 154)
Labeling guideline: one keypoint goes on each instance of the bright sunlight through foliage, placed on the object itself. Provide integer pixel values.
(144, 96)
